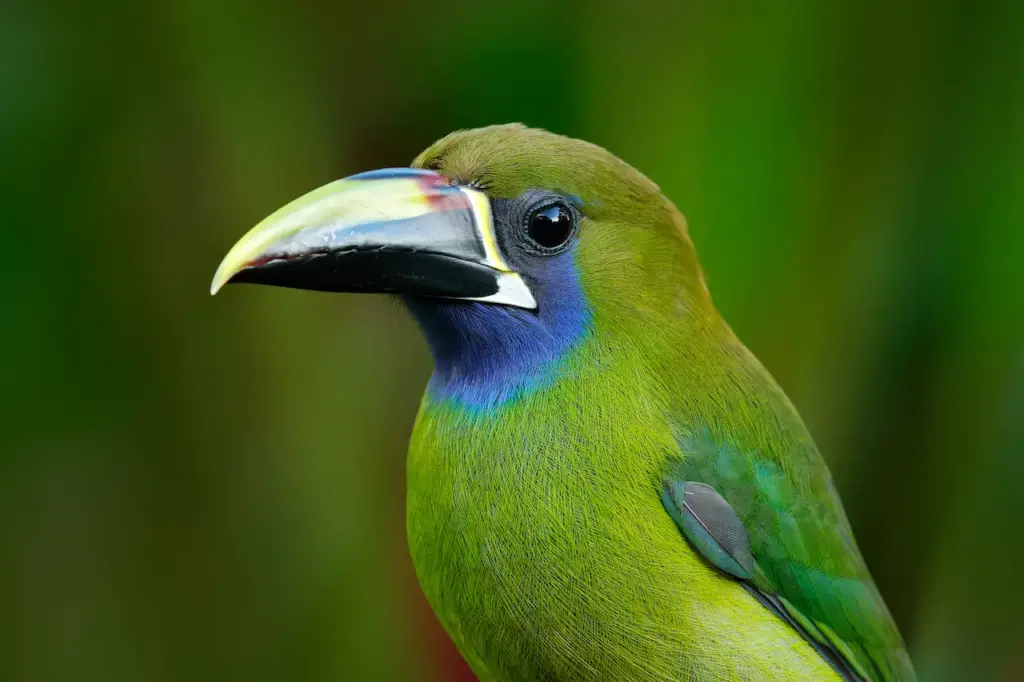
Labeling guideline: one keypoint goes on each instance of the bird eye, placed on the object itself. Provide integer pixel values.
(551, 226)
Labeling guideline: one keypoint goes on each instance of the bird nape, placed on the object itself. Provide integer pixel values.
(603, 482)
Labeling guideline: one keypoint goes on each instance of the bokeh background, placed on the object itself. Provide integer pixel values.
(212, 489)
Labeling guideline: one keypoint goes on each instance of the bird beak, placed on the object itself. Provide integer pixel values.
(397, 230)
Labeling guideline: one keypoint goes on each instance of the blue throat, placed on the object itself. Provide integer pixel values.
(486, 355)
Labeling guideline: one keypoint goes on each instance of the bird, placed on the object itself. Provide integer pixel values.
(603, 482)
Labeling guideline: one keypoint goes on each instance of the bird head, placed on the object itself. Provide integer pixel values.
(510, 246)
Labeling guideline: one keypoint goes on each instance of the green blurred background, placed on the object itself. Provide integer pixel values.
(212, 489)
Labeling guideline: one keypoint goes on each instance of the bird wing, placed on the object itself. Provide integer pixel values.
(806, 566)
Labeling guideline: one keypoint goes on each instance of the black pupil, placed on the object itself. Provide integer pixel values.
(551, 227)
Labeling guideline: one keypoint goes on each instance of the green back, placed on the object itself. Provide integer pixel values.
(744, 438)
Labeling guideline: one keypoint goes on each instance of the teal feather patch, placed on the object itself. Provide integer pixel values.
(713, 528)
(806, 566)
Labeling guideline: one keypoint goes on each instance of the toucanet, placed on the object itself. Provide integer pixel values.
(603, 482)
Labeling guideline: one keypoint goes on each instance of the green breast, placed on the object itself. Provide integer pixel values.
(539, 539)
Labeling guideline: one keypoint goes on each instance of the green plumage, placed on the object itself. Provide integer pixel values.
(536, 523)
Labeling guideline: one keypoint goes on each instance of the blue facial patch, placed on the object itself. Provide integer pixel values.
(486, 355)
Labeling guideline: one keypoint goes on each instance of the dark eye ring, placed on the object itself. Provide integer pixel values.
(551, 226)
